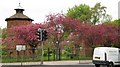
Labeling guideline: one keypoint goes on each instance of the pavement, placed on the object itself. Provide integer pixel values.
(75, 62)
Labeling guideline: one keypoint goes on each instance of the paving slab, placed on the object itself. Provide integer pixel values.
(75, 62)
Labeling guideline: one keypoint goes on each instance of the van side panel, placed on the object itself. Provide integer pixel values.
(118, 62)
(99, 54)
(112, 55)
(104, 55)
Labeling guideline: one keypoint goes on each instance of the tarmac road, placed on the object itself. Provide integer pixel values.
(53, 66)
(83, 63)
(80, 65)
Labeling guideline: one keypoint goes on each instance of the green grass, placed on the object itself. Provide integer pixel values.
(36, 59)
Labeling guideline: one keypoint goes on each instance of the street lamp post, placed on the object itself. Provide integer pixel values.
(59, 29)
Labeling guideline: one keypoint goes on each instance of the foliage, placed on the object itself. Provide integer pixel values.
(25, 34)
(87, 14)
(4, 33)
(98, 12)
(0, 32)
(73, 31)
(59, 37)
(104, 35)
(81, 12)
(117, 22)
(88, 35)
(107, 19)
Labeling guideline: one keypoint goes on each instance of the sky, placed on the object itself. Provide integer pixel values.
(39, 9)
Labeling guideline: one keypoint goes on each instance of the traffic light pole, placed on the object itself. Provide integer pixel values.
(42, 36)
(42, 48)
(42, 58)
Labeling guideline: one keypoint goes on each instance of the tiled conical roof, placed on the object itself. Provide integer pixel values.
(19, 15)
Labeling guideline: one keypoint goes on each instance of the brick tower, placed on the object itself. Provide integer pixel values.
(18, 19)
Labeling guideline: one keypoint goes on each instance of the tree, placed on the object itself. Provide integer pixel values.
(4, 33)
(106, 19)
(26, 34)
(60, 28)
(98, 13)
(0, 32)
(85, 34)
(117, 22)
(69, 25)
(101, 35)
(86, 14)
(81, 12)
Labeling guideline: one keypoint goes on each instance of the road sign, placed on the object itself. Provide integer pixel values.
(20, 47)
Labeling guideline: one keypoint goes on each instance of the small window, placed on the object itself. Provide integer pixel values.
(119, 51)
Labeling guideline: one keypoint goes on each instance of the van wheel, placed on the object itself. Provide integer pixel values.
(110, 65)
(97, 65)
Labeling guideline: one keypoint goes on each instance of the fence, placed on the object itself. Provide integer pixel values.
(12, 55)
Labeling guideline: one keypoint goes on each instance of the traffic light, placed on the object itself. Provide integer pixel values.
(39, 34)
(44, 35)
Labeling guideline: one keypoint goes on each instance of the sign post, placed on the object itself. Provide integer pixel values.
(19, 48)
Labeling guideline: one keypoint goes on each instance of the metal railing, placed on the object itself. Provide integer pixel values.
(12, 55)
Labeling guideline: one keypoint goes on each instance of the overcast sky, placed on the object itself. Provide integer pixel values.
(38, 9)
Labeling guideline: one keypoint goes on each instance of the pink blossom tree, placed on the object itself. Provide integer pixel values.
(60, 28)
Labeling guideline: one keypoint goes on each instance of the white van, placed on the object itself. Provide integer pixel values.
(109, 56)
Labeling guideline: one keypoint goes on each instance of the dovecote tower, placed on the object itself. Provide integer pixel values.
(18, 19)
